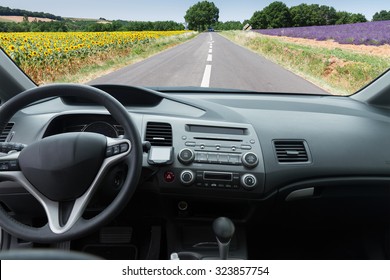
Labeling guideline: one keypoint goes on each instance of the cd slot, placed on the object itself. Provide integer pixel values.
(218, 139)
(218, 176)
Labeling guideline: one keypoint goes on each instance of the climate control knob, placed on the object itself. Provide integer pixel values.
(186, 156)
(187, 177)
(250, 160)
(248, 181)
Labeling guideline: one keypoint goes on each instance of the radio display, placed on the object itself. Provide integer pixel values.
(218, 176)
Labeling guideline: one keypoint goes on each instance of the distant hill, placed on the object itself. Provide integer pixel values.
(22, 18)
(6, 11)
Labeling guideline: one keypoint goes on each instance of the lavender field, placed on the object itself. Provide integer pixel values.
(367, 33)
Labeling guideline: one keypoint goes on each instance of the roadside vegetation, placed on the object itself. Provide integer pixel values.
(338, 70)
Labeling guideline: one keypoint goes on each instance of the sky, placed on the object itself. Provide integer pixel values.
(153, 10)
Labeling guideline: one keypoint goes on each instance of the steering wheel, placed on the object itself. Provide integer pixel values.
(63, 171)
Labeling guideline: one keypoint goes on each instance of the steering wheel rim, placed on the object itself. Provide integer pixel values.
(133, 159)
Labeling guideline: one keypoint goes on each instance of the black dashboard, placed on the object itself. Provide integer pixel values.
(240, 145)
(234, 145)
(282, 167)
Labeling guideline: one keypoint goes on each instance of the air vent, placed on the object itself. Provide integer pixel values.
(6, 132)
(291, 151)
(159, 134)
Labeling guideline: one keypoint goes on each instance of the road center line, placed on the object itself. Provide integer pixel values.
(210, 50)
(206, 76)
(210, 57)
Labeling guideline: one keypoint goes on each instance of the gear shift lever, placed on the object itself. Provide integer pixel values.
(224, 230)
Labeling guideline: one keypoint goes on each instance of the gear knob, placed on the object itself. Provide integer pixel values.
(224, 230)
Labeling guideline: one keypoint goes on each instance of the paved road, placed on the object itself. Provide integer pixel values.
(210, 60)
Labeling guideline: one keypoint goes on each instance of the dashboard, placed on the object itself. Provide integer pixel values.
(282, 167)
(233, 145)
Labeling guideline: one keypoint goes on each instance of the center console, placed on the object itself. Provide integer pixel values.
(210, 159)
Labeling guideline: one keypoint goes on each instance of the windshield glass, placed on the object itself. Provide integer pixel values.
(316, 47)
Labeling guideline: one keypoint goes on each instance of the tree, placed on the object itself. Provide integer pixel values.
(329, 14)
(357, 18)
(259, 20)
(345, 17)
(382, 15)
(202, 15)
(229, 25)
(308, 15)
(275, 15)
(278, 15)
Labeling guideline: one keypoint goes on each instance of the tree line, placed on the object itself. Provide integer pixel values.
(6, 11)
(89, 26)
(205, 15)
(277, 15)
(382, 15)
(200, 16)
(60, 24)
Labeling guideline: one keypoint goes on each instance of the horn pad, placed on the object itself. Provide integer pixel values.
(62, 167)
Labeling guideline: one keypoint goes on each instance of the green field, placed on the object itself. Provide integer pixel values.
(337, 70)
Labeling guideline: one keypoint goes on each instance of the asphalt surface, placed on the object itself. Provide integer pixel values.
(210, 60)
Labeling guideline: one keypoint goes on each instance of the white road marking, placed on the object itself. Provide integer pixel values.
(206, 76)
(207, 70)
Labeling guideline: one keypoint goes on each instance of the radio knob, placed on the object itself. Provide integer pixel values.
(187, 177)
(186, 156)
(250, 160)
(248, 181)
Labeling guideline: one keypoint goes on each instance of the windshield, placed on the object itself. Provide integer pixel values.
(316, 47)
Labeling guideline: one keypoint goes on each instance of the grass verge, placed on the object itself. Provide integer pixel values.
(337, 70)
(84, 70)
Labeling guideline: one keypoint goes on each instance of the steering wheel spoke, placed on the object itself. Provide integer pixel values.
(9, 162)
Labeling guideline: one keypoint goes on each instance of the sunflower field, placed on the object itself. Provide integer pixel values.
(45, 56)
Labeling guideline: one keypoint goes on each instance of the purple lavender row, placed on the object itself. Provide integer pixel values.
(366, 33)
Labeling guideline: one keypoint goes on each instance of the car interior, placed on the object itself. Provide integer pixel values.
(133, 173)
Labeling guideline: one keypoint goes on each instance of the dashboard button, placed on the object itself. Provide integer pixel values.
(234, 159)
(169, 176)
(190, 144)
(212, 158)
(4, 165)
(187, 177)
(13, 165)
(186, 156)
(250, 160)
(124, 147)
(116, 149)
(246, 147)
(248, 181)
(201, 157)
(224, 158)
(109, 151)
